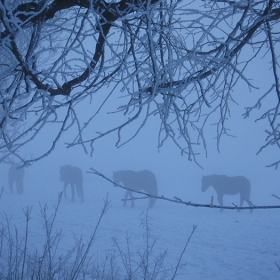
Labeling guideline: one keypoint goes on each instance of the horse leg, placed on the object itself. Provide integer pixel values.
(80, 193)
(132, 200)
(220, 200)
(64, 190)
(248, 201)
(151, 203)
(17, 186)
(20, 184)
(73, 192)
(125, 198)
(250, 204)
(152, 199)
(128, 193)
(11, 182)
(241, 201)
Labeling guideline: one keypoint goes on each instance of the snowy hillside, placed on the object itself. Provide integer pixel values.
(225, 245)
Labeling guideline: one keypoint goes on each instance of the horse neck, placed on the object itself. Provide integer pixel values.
(120, 176)
(117, 178)
(209, 182)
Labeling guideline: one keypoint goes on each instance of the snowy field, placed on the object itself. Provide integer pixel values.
(225, 245)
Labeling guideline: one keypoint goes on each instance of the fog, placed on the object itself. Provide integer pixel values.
(226, 244)
(176, 175)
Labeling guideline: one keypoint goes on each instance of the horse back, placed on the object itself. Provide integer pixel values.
(72, 175)
(140, 180)
(233, 185)
(15, 173)
(79, 176)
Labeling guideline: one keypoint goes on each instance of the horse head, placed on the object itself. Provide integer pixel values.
(204, 184)
(116, 178)
(64, 170)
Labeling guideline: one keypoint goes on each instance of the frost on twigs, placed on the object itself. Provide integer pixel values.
(187, 203)
(275, 196)
(64, 65)
(149, 264)
(19, 260)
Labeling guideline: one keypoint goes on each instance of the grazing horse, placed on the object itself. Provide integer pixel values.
(73, 176)
(15, 175)
(228, 185)
(137, 181)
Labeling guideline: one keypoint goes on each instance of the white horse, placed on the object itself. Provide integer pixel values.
(137, 181)
(228, 185)
(73, 176)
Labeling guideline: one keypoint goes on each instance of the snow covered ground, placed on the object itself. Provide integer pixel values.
(225, 245)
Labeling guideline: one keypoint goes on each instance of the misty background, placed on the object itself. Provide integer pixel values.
(176, 175)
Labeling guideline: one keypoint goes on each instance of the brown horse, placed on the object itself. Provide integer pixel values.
(228, 185)
(15, 175)
(73, 176)
(137, 181)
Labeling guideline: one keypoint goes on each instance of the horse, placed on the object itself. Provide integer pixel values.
(137, 181)
(72, 175)
(228, 185)
(15, 175)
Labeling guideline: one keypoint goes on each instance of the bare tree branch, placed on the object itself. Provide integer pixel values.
(180, 201)
(176, 61)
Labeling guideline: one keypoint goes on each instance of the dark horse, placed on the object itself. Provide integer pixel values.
(137, 181)
(73, 176)
(16, 175)
(228, 185)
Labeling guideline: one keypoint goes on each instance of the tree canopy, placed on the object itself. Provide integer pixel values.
(176, 60)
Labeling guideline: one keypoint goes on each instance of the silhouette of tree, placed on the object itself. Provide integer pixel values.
(63, 63)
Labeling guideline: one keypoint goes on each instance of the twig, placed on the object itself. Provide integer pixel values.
(180, 201)
(95, 172)
(275, 196)
(235, 206)
(182, 253)
(78, 268)
(27, 212)
(134, 198)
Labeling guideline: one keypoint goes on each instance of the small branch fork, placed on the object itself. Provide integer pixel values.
(180, 201)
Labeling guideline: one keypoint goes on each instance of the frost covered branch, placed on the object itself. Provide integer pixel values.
(63, 64)
(21, 260)
(183, 251)
(180, 201)
(276, 196)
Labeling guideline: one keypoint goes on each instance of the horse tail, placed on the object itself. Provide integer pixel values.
(247, 189)
(80, 185)
(153, 193)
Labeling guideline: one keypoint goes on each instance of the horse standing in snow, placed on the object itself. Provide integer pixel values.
(15, 175)
(228, 185)
(73, 176)
(137, 181)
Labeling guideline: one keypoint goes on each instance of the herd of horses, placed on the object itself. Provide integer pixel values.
(139, 181)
